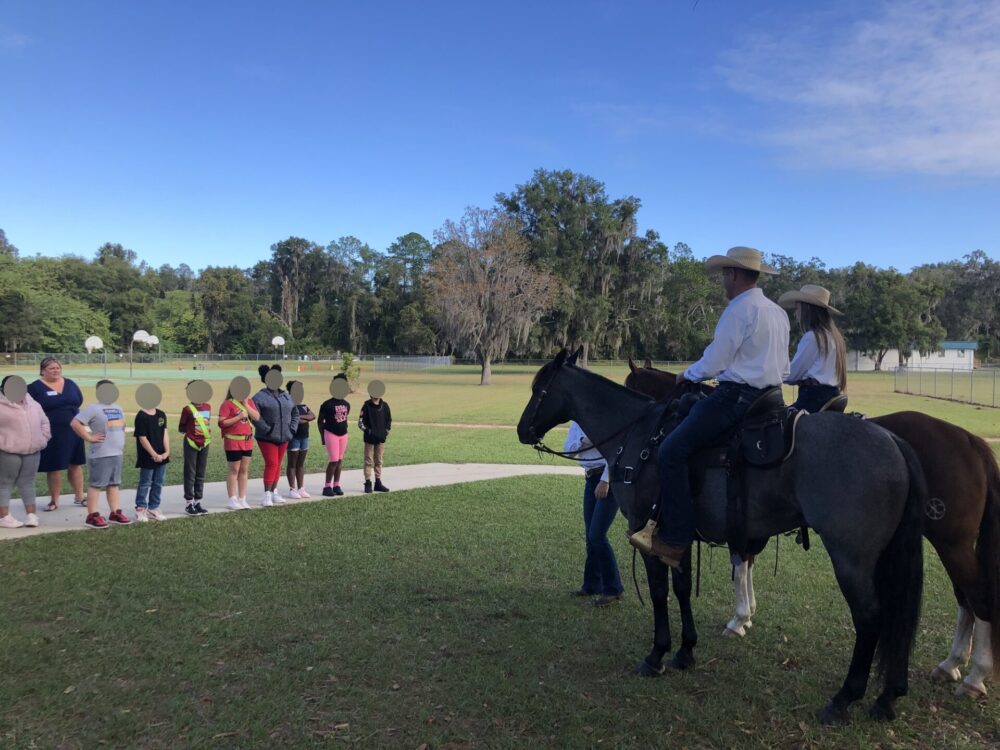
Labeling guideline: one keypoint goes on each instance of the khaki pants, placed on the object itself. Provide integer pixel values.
(373, 458)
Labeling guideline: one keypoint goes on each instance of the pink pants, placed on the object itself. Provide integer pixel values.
(274, 454)
(336, 446)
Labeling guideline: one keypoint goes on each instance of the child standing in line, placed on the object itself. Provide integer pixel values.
(106, 436)
(152, 454)
(236, 416)
(375, 422)
(298, 446)
(195, 421)
(333, 433)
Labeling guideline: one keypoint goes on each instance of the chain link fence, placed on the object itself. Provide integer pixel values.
(980, 386)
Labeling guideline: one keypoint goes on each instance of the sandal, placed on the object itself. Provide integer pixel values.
(51, 506)
(80, 503)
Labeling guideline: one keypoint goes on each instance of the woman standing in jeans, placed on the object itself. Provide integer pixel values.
(600, 571)
(279, 420)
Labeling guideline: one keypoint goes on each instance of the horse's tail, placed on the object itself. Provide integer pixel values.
(899, 577)
(988, 545)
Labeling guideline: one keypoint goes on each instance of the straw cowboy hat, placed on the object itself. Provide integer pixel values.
(812, 294)
(739, 257)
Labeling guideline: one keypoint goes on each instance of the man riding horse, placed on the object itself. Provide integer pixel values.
(748, 355)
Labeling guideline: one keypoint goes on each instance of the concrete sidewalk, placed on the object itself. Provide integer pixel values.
(70, 517)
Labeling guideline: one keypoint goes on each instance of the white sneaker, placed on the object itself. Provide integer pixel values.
(267, 502)
(156, 515)
(31, 521)
(234, 504)
(244, 504)
(294, 494)
(141, 515)
(303, 494)
(278, 499)
(9, 522)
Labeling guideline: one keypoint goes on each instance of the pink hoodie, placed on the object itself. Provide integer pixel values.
(24, 428)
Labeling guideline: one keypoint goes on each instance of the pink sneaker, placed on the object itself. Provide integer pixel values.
(303, 494)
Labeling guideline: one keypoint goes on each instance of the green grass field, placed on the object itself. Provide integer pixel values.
(434, 616)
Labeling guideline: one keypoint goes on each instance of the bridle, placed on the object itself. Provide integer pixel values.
(541, 447)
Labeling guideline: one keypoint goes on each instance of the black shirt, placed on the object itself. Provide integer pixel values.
(376, 421)
(333, 416)
(152, 427)
(303, 430)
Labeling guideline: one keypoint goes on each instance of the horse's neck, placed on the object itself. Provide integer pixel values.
(604, 409)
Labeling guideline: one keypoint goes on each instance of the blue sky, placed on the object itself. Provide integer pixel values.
(204, 132)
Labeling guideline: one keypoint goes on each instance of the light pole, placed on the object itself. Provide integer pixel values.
(279, 341)
(143, 338)
(92, 344)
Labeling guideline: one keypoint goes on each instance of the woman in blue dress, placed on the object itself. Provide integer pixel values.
(60, 399)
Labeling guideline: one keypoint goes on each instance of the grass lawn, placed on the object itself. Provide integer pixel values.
(436, 616)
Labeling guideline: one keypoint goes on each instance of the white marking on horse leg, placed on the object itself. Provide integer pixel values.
(750, 593)
(974, 685)
(735, 627)
(961, 648)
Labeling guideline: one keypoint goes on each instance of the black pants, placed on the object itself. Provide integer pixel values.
(812, 397)
(195, 462)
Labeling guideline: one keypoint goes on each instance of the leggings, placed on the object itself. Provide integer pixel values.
(274, 454)
(20, 470)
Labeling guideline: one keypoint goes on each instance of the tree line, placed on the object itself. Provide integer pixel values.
(554, 262)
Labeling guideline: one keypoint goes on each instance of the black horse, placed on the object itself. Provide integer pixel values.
(858, 486)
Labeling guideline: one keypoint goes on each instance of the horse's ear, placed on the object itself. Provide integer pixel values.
(560, 357)
(648, 364)
(631, 365)
(575, 355)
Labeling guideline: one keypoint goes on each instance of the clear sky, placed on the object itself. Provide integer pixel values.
(202, 132)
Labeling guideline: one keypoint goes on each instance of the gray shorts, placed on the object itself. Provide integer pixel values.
(105, 471)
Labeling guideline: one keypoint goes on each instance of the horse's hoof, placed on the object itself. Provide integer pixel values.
(643, 669)
(729, 632)
(943, 675)
(831, 714)
(682, 660)
(973, 692)
(882, 711)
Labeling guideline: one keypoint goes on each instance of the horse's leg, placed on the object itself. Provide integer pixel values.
(750, 594)
(961, 648)
(684, 658)
(736, 627)
(982, 662)
(659, 589)
(859, 591)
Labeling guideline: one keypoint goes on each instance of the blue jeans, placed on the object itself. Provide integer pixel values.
(812, 397)
(708, 421)
(151, 484)
(600, 571)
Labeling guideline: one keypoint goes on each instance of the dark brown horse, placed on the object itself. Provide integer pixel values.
(962, 523)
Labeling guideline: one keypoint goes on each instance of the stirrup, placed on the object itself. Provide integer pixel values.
(642, 540)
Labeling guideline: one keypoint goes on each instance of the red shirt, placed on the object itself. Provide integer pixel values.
(189, 425)
(228, 410)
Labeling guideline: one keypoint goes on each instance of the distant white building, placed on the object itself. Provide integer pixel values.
(950, 355)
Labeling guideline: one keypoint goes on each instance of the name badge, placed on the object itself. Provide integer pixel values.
(52, 393)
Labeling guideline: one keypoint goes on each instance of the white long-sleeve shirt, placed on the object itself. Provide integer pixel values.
(809, 362)
(589, 457)
(750, 344)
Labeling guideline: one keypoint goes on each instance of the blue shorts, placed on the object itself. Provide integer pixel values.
(298, 444)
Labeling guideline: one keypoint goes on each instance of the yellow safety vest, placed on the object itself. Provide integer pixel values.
(200, 421)
(241, 438)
